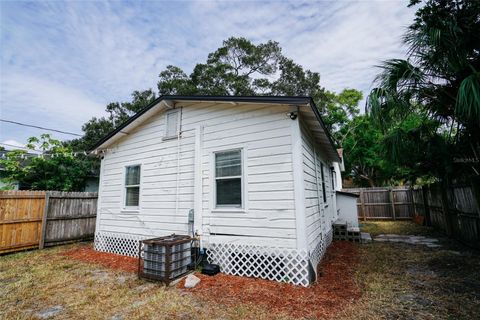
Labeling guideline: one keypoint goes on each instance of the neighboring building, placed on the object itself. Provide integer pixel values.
(256, 173)
(91, 185)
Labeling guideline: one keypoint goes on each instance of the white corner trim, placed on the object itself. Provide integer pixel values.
(99, 195)
(299, 185)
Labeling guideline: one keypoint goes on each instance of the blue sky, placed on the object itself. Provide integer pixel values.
(62, 62)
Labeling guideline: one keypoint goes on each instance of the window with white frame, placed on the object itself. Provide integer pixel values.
(172, 123)
(228, 178)
(132, 186)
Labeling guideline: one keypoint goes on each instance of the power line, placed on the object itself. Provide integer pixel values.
(43, 128)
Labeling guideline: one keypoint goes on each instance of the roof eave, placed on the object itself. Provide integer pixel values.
(243, 99)
(336, 157)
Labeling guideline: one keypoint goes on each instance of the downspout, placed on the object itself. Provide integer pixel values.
(298, 183)
(198, 191)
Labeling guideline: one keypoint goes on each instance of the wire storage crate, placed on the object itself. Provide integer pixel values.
(165, 258)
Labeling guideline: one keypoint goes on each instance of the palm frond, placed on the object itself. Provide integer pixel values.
(400, 75)
(468, 98)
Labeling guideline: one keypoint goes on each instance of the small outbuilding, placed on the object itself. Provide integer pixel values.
(252, 177)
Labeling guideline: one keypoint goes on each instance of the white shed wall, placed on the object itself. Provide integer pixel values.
(347, 208)
(319, 213)
(264, 134)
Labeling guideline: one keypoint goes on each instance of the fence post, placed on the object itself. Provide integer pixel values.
(392, 202)
(412, 200)
(362, 202)
(44, 221)
(426, 207)
(445, 209)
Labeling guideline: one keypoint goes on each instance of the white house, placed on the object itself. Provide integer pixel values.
(255, 174)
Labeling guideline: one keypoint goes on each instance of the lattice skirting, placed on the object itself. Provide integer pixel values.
(293, 266)
(124, 244)
(278, 264)
(320, 248)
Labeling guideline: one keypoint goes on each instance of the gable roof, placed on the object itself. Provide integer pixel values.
(312, 116)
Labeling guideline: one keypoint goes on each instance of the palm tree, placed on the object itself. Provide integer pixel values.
(428, 105)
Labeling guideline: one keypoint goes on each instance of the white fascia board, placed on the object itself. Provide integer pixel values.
(162, 105)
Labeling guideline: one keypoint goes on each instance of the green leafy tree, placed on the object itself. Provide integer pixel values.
(241, 68)
(238, 67)
(97, 128)
(338, 112)
(365, 160)
(428, 105)
(56, 168)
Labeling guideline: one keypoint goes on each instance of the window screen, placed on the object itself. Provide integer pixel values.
(333, 179)
(228, 178)
(171, 123)
(323, 184)
(132, 186)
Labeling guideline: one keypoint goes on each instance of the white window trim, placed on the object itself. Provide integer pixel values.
(124, 207)
(213, 196)
(177, 131)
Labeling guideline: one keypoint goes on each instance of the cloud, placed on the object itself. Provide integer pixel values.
(43, 103)
(12, 145)
(344, 41)
(62, 62)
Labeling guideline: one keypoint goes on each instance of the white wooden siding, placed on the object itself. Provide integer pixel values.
(263, 131)
(319, 214)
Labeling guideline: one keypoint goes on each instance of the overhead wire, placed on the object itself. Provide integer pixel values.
(39, 127)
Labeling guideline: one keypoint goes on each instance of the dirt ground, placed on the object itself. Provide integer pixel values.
(374, 281)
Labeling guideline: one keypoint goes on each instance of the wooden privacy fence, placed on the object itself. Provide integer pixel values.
(384, 203)
(36, 219)
(454, 210)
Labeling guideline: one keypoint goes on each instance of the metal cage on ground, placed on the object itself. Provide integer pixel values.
(272, 263)
(164, 258)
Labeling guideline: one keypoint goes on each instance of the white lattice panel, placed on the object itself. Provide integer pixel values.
(318, 252)
(124, 244)
(278, 264)
(272, 263)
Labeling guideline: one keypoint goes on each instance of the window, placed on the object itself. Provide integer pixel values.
(132, 186)
(332, 172)
(228, 178)
(323, 184)
(172, 123)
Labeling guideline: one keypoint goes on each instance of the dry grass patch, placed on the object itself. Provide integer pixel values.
(402, 281)
(396, 281)
(33, 281)
(396, 227)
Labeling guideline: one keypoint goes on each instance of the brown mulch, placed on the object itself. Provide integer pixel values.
(108, 260)
(334, 289)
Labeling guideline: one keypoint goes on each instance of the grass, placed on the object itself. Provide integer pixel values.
(402, 281)
(33, 281)
(397, 281)
(396, 227)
